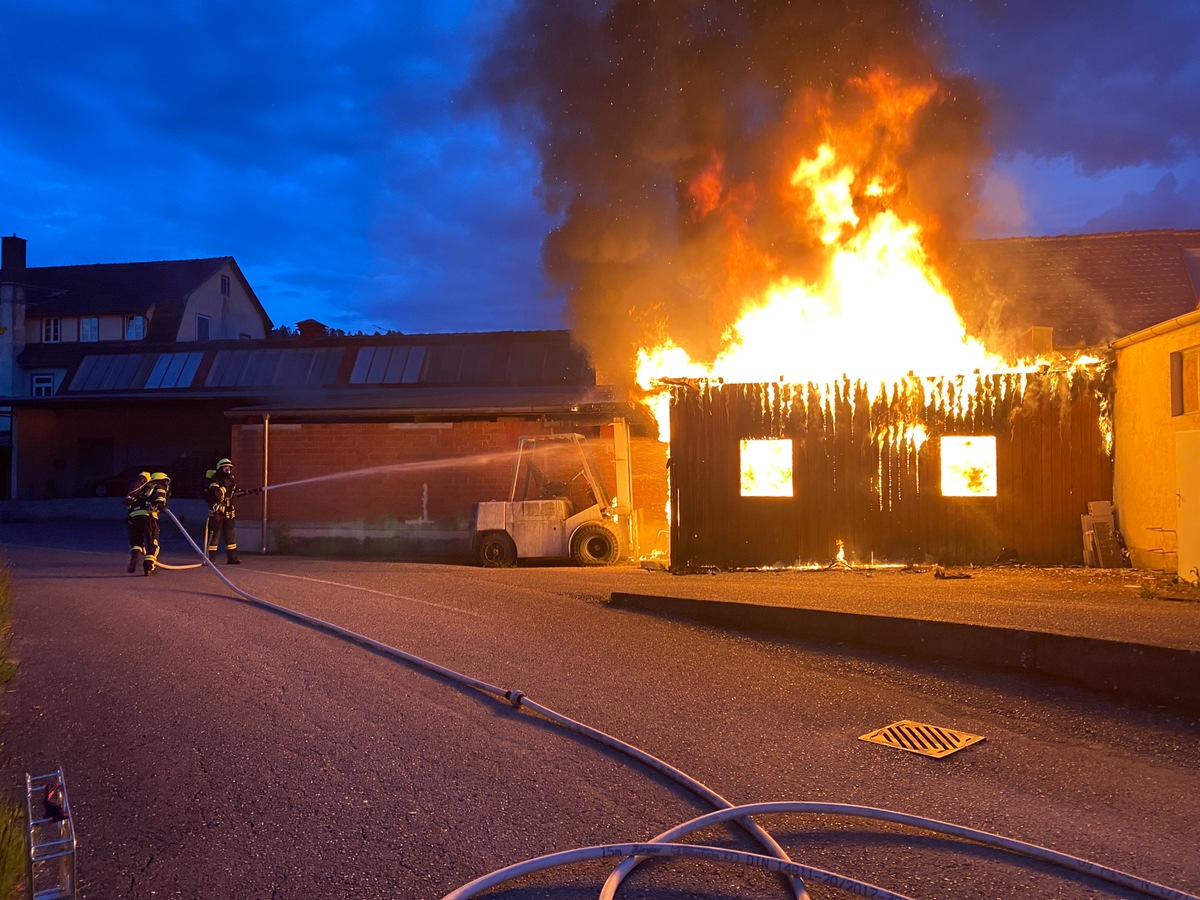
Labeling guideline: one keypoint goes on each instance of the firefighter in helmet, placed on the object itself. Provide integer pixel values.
(146, 498)
(222, 512)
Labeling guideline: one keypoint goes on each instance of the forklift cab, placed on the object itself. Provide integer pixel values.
(558, 508)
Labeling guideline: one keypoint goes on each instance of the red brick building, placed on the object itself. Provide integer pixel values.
(395, 437)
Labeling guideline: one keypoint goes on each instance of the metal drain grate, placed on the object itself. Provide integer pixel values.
(917, 737)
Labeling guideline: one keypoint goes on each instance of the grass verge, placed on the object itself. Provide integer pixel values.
(12, 815)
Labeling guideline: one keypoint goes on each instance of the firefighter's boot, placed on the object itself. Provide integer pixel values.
(231, 559)
(212, 556)
(148, 566)
(135, 557)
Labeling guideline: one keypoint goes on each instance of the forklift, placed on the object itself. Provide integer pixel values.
(558, 507)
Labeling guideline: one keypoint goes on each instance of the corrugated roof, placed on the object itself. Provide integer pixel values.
(1091, 288)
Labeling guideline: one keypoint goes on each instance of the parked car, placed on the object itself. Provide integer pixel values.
(118, 485)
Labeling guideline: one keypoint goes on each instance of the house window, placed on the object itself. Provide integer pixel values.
(203, 327)
(1185, 381)
(89, 329)
(51, 331)
(766, 468)
(135, 328)
(43, 385)
(224, 285)
(968, 466)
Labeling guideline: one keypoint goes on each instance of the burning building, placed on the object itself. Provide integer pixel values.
(761, 206)
(953, 470)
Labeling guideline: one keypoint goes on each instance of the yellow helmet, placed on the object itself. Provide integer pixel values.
(161, 476)
(140, 481)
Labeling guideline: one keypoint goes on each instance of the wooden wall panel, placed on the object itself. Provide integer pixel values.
(861, 479)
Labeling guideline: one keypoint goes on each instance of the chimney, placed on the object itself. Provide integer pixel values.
(12, 312)
(12, 256)
(311, 329)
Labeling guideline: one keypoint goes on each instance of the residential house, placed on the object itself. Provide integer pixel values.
(52, 318)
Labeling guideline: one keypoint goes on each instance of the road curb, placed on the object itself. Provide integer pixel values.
(1163, 676)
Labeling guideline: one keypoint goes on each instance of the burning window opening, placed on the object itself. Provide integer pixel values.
(968, 466)
(766, 468)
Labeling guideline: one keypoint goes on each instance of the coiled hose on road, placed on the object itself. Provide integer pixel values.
(665, 844)
(158, 563)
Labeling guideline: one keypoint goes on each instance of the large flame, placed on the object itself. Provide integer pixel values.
(878, 313)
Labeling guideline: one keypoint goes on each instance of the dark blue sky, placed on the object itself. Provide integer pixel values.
(329, 148)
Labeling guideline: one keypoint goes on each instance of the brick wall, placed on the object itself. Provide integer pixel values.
(380, 472)
(408, 488)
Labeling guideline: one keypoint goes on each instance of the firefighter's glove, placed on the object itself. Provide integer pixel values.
(216, 513)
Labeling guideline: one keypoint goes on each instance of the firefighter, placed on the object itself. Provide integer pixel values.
(146, 498)
(222, 512)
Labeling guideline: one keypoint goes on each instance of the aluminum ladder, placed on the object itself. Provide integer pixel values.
(51, 858)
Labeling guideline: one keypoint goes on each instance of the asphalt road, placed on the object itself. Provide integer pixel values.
(215, 749)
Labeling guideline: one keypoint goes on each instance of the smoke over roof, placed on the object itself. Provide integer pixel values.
(667, 132)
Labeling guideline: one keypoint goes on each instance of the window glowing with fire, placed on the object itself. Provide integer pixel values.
(767, 468)
(968, 466)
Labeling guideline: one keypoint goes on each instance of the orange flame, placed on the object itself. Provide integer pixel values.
(878, 313)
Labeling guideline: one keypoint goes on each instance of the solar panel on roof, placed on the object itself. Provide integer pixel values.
(173, 370)
(227, 368)
(445, 363)
(387, 365)
(413, 365)
(121, 374)
(326, 363)
(110, 372)
(83, 373)
(260, 368)
(395, 367)
(476, 367)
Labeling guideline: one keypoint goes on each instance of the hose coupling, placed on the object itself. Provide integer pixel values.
(514, 698)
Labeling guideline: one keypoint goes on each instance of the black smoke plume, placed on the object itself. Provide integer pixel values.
(667, 130)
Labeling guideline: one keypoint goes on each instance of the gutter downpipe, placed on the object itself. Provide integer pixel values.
(265, 446)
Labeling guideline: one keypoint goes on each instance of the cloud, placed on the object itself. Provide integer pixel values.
(1169, 204)
(1112, 84)
(322, 146)
(332, 151)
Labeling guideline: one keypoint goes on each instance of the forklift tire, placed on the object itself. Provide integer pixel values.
(595, 545)
(497, 551)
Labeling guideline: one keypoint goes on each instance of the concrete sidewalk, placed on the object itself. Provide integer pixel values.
(1112, 631)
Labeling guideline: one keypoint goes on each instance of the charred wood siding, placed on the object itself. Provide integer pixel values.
(869, 472)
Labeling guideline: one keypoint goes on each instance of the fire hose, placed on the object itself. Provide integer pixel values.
(162, 565)
(631, 854)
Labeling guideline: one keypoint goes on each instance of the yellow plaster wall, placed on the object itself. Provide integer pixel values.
(1144, 447)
